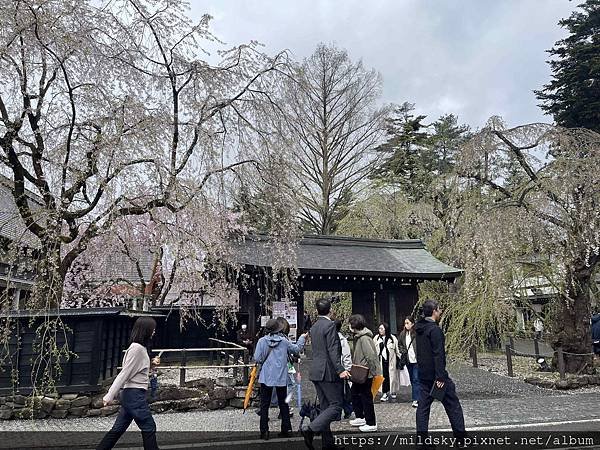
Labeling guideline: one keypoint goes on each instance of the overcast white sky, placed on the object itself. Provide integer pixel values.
(474, 58)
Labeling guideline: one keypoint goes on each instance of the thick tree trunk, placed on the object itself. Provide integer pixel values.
(49, 282)
(572, 327)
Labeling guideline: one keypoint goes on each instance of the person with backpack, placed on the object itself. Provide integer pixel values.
(365, 354)
(408, 358)
(132, 385)
(272, 352)
(433, 377)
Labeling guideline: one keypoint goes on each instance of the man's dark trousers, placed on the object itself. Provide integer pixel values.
(451, 405)
(331, 396)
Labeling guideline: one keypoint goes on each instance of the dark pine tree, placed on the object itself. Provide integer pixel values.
(573, 95)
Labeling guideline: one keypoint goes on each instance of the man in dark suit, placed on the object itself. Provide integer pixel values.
(327, 374)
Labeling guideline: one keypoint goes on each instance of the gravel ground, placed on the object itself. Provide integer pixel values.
(523, 367)
(171, 376)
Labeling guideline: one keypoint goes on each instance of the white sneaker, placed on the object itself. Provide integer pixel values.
(368, 428)
(384, 398)
(358, 422)
(394, 396)
(415, 404)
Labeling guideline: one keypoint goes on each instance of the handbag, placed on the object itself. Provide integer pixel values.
(358, 373)
(403, 377)
(402, 360)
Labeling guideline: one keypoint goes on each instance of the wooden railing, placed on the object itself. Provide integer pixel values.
(219, 357)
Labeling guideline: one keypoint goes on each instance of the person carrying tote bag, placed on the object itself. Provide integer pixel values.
(365, 355)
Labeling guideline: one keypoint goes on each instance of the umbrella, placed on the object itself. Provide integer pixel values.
(377, 382)
(298, 390)
(253, 374)
(310, 410)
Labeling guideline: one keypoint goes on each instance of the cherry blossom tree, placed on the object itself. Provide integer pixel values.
(543, 178)
(114, 110)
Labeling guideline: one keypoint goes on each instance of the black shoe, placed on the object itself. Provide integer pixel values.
(291, 415)
(308, 436)
(285, 434)
(264, 436)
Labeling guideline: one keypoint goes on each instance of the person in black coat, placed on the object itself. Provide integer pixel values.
(327, 374)
(432, 369)
(596, 334)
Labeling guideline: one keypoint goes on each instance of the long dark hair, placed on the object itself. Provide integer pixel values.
(142, 330)
(386, 327)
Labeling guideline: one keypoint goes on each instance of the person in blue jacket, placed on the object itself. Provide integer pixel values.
(272, 353)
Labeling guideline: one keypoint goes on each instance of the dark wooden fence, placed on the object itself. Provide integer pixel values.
(96, 336)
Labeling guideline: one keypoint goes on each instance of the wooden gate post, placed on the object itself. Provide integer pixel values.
(509, 361)
(182, 368)
(561, 362)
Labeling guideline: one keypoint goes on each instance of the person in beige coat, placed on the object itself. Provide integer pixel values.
(387, 349)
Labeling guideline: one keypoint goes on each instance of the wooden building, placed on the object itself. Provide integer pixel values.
(381, 275)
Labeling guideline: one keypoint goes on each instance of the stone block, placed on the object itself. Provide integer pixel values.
(178, 405)
(109, 410)
(216, 404)
(201, 383)
(69, 396)
(2, 400)
(223, 393)
(97, 401)
(81, 401)
(5, 413)
(78, 411)
(241, 393)
(62, 403)
(236, 402)
(94, 412)
(226, 382)
(177, 393)
(59, 413)
(47, 404)
(17, 399)
(563, 384)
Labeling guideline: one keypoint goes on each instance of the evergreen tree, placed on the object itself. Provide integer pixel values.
(573, 95)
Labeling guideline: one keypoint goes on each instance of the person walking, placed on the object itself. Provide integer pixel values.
(538, 327)
(347, 363)
(408, 352)
(431, 361)
(365, 354)
(596, 335)
(133, 378)
(327, 374)
(387, 349)
(272, 352)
